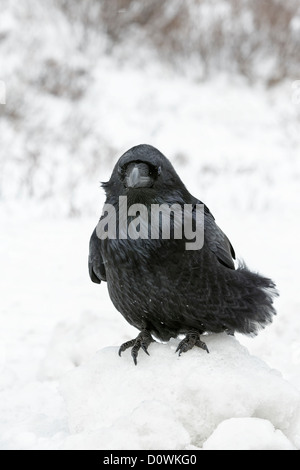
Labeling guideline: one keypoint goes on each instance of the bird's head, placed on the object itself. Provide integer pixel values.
(144, 173)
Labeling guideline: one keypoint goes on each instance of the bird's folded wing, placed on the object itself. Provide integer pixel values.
(96, 265)
(217, 241)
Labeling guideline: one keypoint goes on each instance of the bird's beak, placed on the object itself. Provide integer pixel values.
(137, 176)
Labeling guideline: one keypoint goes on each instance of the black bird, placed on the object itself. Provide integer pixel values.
(159, 286)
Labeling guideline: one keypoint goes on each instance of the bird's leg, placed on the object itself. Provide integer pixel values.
(192, 339)
(141, 341)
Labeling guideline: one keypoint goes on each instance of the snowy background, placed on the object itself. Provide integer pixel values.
(214, 84)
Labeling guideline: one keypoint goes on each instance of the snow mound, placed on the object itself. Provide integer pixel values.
(171, 402)
(247, 434)
(74, 342)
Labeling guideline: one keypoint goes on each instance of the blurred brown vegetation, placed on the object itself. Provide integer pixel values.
(259, 39)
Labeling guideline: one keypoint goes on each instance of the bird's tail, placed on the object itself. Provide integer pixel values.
(254, 309)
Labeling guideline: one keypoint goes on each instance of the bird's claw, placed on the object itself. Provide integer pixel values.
(191, 340)
(141, 341)
(125, 346)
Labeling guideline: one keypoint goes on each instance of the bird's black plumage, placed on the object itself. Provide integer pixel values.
(160, 287)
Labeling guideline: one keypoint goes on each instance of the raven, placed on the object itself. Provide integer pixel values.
(159, 286)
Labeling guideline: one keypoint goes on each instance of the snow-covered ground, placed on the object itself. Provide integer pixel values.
(62, 383)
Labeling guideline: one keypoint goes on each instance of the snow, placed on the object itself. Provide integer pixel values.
(62, 383)
(171, 402)
(247, 434)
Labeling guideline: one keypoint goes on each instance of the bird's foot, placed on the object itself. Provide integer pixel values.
(141, 341)
(192, 339)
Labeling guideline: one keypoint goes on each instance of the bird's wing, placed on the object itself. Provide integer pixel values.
(217, 241)
(96, 265)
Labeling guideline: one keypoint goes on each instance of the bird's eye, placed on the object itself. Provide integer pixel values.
(154, 171)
